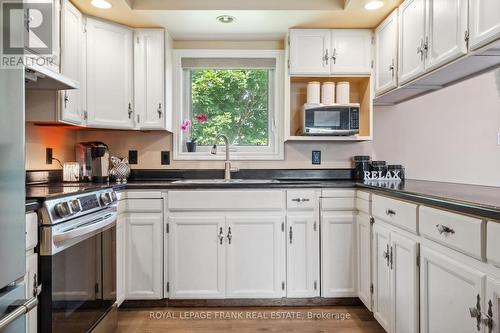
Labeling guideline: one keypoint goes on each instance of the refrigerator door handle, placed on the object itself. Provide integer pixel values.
(20, 311)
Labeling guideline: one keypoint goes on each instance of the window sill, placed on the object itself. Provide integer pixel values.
(221, 156)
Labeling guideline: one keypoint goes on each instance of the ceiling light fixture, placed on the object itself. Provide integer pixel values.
(226, 19)
(102, 4)
(375, 4)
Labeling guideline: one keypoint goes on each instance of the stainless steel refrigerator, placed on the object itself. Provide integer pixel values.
(13, 304)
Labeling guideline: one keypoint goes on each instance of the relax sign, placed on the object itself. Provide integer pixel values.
(378, 175)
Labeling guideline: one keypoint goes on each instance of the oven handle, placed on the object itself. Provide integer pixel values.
(18, 312)
(86, 228)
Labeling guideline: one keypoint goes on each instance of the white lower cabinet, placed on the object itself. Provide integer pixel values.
(381, 276)
(144, 251)
(197, 257)
(121, 272)
(449, 289)
(363, 240)
(302, 244)
(255, 266)
(492, 305)
(338, 256)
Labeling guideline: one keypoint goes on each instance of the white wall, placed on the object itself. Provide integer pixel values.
(449, 135)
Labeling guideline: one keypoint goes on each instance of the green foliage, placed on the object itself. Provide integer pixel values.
(235, 102)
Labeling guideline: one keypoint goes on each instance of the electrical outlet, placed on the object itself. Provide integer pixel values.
(48, 155)
(316, 157)
(165, 157)
(132, 157)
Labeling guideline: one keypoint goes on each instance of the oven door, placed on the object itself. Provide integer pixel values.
(79, 284)
(326, 119)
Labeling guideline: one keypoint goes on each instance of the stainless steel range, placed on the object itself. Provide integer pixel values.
(77, 263)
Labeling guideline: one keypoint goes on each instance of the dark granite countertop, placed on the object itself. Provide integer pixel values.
(42, 192)
(478, 200)
(32, 205)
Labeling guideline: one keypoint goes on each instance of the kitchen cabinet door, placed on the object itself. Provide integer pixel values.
(381, 276)
(121, 272)
(149, 78)
(338, 259)
(144, 253)
(302, 255)
(197, 251)
(255, 257)
(411, 40)
(109, 75)
(492, 304)
(363, 240)
(71, 109)
(309, 51)
(446, 31)
(404, 280)
(386, 54)
(448, 290)
(30, 281)
(351, 51)
(484, 22)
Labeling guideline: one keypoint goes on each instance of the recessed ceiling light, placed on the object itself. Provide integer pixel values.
(226, 19)
(375, 4)
(102, 4)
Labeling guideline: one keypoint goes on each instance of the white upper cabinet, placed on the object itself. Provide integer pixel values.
(71, 110)
(149, 78)
(386, 54)
(255, 257)
(411, 40)
(351, 51)
(484, 22)
(446, 23)
(328, 52)
(109, 75)
(309, 51)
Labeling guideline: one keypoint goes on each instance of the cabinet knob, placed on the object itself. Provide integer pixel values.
(129, 111)
(334, 56)
(229, 235)
(221, 235)
(442, 229)
(326, 57)
(66, 99)
(290, 235)
(300, 199)
(159, 110)
(390, 212)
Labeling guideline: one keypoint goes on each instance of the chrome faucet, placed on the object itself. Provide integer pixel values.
(227, 164)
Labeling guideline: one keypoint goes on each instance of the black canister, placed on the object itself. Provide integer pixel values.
(380, 167)
(361, 164)
(397, 168)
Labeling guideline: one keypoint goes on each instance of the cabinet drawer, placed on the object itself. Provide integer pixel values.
(400, 213)
(140, 195)
(141, 205)
(226, 200)
(493, 243)
(338, 204)
(338, 193)
(460, 232)
(363, 195)
(31, 231)
(363, 205)
(300, 200)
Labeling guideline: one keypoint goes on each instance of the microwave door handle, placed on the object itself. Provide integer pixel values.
(87, 228)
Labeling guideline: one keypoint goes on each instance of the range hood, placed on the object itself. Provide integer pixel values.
(38, 77)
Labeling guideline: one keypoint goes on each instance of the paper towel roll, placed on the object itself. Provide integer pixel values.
(328, 93)
(343, 93)
(313, 92)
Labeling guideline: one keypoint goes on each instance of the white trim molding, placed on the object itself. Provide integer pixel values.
(275, 149)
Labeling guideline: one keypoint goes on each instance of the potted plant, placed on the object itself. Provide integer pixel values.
(185, 127)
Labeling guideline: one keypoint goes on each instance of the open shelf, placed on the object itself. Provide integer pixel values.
(360, 92)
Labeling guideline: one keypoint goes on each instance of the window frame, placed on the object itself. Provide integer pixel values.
(181, 93)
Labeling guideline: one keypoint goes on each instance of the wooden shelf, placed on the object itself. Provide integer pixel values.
(296, 95)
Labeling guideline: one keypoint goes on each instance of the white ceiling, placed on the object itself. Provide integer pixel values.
(255, 20)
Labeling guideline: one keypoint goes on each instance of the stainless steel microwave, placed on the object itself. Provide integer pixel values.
(331, 119)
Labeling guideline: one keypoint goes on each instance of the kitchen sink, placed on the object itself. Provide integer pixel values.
(225, 181)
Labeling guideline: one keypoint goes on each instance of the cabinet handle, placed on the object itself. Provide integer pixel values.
(229, 235)
(426, 46)
(390, 257)
(66, 99)
(476, 312)
(442, 229)
(130, 111)
(392, 68)
(300, 199)
(489, 317)
(334, 56)
(221, 235)
(290, 233)
(326, 57)
(138, 118)
(420, 50)
(385, 255)
(159, 110)
(390, 212)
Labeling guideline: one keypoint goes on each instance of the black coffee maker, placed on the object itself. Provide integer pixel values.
(93, 158)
